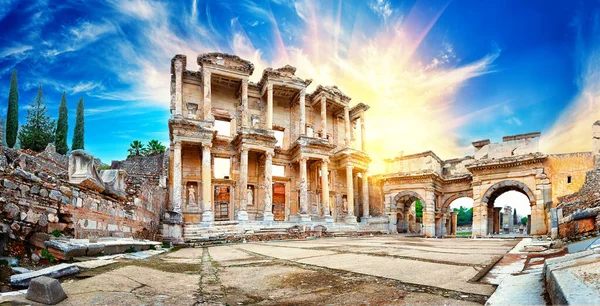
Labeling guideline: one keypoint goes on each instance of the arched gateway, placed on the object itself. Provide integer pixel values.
(514, 164)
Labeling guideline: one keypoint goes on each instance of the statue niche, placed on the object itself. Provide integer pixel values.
(192, 194)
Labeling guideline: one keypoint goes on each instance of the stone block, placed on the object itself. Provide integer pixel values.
(94, 249)
(82, 171)
(65, 250)
(26, 175)
(23, 280)
(114, 183)
(45, 290)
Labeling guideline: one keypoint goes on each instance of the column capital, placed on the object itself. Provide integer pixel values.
(206, 72)
(325, 160)
(269, 153)
(177, 145)
(349, 165)
(269, 86)
(245, 81)
(206, 145)
(303, 159)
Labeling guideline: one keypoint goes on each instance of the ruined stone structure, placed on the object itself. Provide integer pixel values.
(262, 153)
(514, 164)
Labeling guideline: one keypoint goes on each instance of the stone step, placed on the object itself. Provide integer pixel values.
(63, 269)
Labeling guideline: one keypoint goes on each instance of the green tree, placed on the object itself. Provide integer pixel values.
(419, 208)
(12, 114)
(38, 131)
(77, 143)
(464, 216)
(524, 220)
(136, 148)
(62, 126)
(154, 147)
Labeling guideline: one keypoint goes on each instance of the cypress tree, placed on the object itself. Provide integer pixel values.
(78, 133)
(62, 126)
(12, 115)
(38, 131)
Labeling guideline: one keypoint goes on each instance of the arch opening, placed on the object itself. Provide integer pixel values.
(409, 212)
(508, 205)
(460, 219)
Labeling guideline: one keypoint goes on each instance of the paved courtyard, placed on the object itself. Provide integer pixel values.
(391, 270)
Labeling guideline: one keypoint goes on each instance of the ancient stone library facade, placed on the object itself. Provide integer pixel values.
(263, 153)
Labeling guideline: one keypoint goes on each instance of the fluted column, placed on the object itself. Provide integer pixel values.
(302, 106)
(178, 87)
(304, 215)
(207, 210)
(177, 177)
(363, 133)
(350, 190)
(348, 137)
(365, 195)
(269, 106)
(245, 102)
(324, 116)
(207, 104)
(325, 190)
(242, 214)
(268, 214)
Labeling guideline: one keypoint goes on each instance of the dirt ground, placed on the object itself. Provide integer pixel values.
(385, 270)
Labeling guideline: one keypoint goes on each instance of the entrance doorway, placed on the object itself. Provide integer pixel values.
(279, 201)
(222, 200)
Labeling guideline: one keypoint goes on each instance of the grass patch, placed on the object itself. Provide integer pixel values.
(464, 233)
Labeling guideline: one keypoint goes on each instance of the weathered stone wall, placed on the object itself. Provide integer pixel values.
(559, 167)
(36, 196)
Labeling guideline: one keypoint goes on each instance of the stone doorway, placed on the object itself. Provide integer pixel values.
(279, 201)
(222, 201)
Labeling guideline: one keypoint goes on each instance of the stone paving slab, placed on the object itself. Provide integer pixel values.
(282, 252)
(226, 253)
(92, 264)
(408, 271)
(511, 290)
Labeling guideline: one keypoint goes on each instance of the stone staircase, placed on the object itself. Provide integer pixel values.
(195, 232)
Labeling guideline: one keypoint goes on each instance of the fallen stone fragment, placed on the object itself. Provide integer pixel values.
(82, 171)
(20, 270)
(65, 250)
(60, 270)
(114, 181)
(45, 290)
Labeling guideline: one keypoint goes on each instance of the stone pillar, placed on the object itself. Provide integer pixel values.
(454, 222)
(444, 220)
(528, 224)
(177, 177)
(245, 103)
(325, 190)
(497, 220)
(429, 214)
(268, 214)
(304, 215)
(269, 106)
(347, 138)
(508, 218)
(351, 218)
(356, 193)
(490, 220)
(365, 195)
(207, 210)
(363, 133)
(207, 104)
(242, 214)
(324, 115)
(596, 144)
(302, 99)
(178, 87)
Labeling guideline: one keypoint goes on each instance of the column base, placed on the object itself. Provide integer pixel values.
(267, 217)
(242, 215)
(364, 220)
(304, 217)
(350, 219)
(207, 218)
(328, 219)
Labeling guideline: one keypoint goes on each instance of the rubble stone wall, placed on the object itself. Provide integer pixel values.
(35, 196)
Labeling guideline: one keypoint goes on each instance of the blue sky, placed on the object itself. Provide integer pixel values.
(438, 74)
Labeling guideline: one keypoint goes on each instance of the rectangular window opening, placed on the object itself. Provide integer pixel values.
(222, 167)
(223, 127)
(278, 170)
(569, 179)
(279, 136)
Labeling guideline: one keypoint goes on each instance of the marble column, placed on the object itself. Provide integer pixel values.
(207, 209)
(206, 89)
(365, 196)
(454, 222)
(363, 133)
(443, 225)
(302, 106)
(350, 194)
(497, 220)
(509, 217)
(178, 87)
(325, 190)
(177, 177)
(245, 103)
(304, 215)
(347, 136)
(324, 115)
(268, 214)
(269, 106)
(242, 214)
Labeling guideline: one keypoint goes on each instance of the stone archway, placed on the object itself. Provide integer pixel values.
(405, 208)
(449, 217)
(488, 216)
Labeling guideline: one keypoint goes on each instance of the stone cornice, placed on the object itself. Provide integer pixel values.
(214, 58)
(285, 73)
(507, 162)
